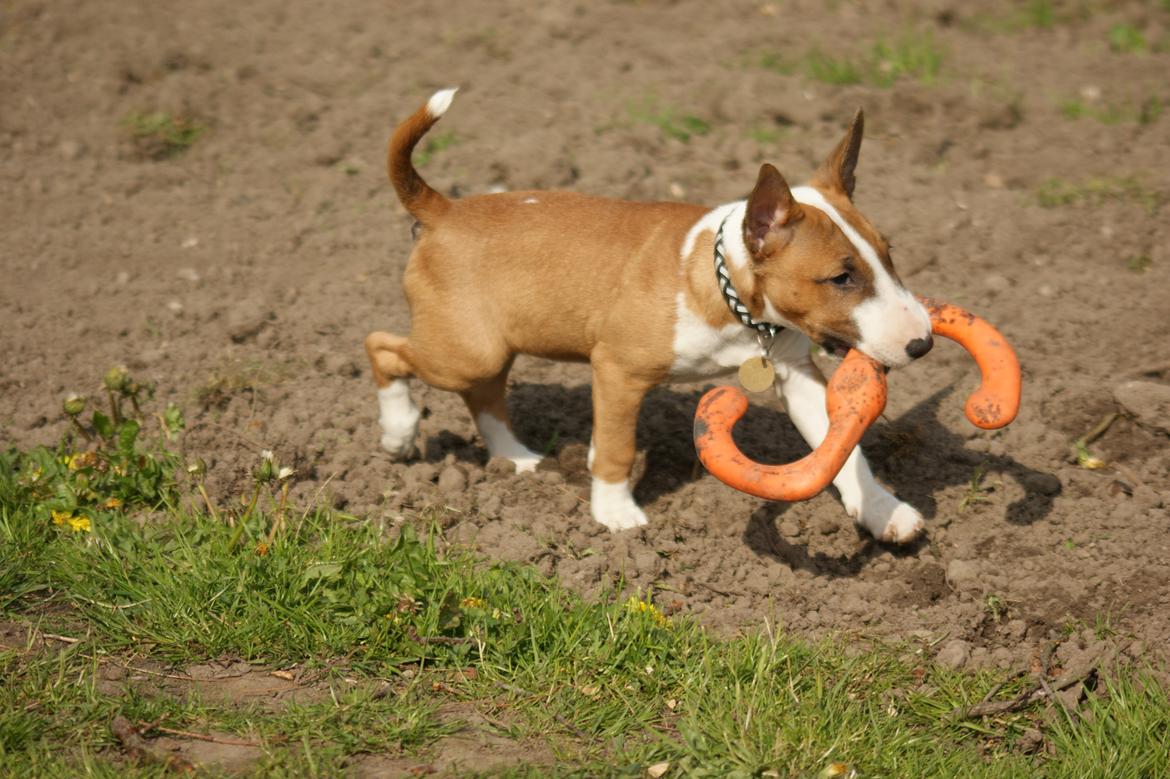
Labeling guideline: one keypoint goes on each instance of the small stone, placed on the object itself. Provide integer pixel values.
(247, 326)
(648, 562)
(1030, 740)
(1002, 657)
(567, 503)
(452, 480)
(188, 274)
(790, 528)
(491, 505)
(122, 278)
(1041, 483)
(963, 574)
(420, 474)
(500, 466)
(1147, 401)
(954, 654)
(997, 282)
(993, 180)
(175, 306)
(1015, 629)
(827, 526)
(70, 150)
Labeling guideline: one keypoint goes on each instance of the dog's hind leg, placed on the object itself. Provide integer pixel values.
(487, 402)
(398, 415)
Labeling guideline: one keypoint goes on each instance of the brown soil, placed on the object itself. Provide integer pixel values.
(242, 274)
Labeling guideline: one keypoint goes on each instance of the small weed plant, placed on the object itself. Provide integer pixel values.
(160, 135)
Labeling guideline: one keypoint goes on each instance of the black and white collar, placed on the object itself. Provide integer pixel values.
(765, 331)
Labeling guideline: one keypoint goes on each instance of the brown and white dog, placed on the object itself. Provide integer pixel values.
(631, 288)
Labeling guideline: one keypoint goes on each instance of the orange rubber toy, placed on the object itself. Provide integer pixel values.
(856, 397)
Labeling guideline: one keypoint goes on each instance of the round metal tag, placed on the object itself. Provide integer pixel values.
(756, 374)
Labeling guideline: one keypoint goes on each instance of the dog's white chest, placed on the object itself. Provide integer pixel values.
(705, 352)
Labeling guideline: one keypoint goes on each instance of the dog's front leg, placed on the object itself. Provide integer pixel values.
(616, 400)
(802, 388)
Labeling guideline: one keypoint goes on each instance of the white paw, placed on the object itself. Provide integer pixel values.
(613, 506)
(526, 464)
(398, 418)
(502, 443)
(888, 519)
(399, 445)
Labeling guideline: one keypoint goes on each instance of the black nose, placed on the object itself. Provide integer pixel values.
(919, 347)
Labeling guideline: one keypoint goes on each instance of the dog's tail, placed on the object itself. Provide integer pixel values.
(423, 202)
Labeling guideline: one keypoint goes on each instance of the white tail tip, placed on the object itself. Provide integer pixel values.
(440, 102)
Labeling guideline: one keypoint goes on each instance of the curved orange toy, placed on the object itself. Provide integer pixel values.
(856, 396)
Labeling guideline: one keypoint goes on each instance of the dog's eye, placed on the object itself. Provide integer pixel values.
(841, 280)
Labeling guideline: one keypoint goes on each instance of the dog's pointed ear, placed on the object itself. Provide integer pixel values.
(771, 209)
(837, 171)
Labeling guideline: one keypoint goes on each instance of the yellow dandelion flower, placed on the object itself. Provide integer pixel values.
(637, 606)
(473, 603)
(113, 503)
(79, 460)
(61, 517)
(80, 524)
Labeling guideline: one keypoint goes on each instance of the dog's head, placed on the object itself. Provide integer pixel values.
(824, 269)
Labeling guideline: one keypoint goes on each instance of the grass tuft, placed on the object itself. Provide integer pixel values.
(1126, 38)
(680, 126)
(433, 146)
(160, 136)
(911, 55)
(1147, 112)
(1057, 193)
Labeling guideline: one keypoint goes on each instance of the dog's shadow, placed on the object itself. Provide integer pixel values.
(914, 454)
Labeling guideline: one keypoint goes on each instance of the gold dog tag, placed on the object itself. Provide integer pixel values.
(756, 374)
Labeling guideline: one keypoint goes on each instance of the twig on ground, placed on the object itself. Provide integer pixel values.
(113, 606)
(1025, 699)
(141, 750)
(183, 677)
(994, 690)
(413, 635)
(236, 742)
(62, 639)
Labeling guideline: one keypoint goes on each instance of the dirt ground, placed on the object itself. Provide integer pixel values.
(242, 274)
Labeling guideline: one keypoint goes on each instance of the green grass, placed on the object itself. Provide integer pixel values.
(1031, 15)
(1126, 38)
(160, 135)
(669, 120)
(393, 629)
(766, 135)
(1057, 193)
(433, 146)
(1147, 112)
(1139, 263)
(910, 55)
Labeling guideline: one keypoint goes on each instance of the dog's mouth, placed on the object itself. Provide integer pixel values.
(834, 346)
